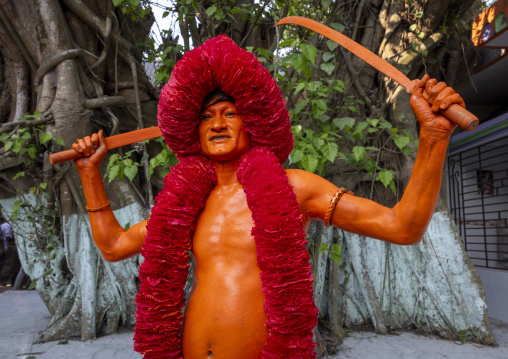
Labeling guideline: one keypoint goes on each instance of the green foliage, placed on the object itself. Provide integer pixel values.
(28, 142)
(335, 252)
(124, 166)
(332, 133)
(135, 8)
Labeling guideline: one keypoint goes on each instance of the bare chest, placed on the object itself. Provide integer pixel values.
(224, 225)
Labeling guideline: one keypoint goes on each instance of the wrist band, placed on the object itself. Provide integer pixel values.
(335, 199)
(98, 208)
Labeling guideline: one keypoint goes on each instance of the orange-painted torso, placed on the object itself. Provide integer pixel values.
(224, 317)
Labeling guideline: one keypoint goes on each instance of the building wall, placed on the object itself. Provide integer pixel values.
(495, 284)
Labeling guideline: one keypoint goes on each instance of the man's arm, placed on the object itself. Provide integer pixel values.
(113, 241)
(407, 221)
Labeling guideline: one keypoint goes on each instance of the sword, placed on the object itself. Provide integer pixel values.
(111, 142)
(455, 113)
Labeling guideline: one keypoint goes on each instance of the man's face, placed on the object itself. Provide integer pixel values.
(222, 135)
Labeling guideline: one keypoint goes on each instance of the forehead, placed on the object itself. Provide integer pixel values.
(218, 106)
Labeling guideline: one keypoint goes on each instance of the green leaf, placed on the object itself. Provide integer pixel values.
(310, 52)
(300, 87)
(321, 104)
(19, 174)
(393, 188)
(419, 14)
(425, 53)
(17, 146)
(326, 4)
(310, 163)
(343, 122)
(301, 105)
(373, 149)
(43, 185)
(323, 247)
(373, 122)
(385, 176)
(4, 136)
(295, 156)
(332, 45)
(59, 141)
(336, 249)
(358, 152)
(45, 137)
(337, 26)
(26, 136)
(327, 56)
(131, 172)
(328, 68)
(48, 272)
(299, 62)
(32, 285)
(211, 10)
(32, 151)
(413, 27)
(330, 150)
(407, 150)
(400, 141)
(360, 127)
(127, 225)
(117, 2)
(7, 145)
(113, 172)
(421, 35)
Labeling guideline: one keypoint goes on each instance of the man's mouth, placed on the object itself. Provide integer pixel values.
(218, 138)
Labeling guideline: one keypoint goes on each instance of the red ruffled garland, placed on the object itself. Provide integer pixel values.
(165, 269)
(286, 278)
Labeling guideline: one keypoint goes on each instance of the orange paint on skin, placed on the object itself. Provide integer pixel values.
(224, 316)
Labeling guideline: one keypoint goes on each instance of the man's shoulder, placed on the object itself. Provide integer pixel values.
(304, 181)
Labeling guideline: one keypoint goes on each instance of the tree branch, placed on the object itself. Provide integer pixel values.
(110, 101)
(253, 25)
(26, 123)
(54, 61)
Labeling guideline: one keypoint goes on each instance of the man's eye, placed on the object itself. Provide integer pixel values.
(230, 114)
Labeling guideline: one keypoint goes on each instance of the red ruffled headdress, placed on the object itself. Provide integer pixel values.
(220, 63)
(286, 277)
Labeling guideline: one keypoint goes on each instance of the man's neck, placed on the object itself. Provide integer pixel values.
(226, 172)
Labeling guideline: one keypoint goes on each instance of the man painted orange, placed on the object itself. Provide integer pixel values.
(245, 302)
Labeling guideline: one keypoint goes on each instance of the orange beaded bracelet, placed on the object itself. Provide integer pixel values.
(335, 199)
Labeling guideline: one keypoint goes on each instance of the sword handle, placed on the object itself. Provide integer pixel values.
(111, 142)
(462, 117)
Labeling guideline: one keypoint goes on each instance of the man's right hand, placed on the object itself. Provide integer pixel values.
(93, 148)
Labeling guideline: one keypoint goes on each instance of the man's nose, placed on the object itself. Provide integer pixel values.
(218, 124)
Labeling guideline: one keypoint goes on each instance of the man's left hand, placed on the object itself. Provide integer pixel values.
(428, 99)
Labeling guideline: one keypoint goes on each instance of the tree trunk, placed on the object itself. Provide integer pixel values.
(85, 295)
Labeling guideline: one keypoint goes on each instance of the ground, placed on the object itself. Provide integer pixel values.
(24, 316)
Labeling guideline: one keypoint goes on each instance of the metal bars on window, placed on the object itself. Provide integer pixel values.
(478, 184)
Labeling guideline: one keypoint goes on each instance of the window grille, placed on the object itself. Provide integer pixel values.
(478, 194)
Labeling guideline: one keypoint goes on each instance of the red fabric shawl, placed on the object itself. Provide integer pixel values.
(286, 278)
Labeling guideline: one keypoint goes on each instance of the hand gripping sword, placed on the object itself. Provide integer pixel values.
(455, 113)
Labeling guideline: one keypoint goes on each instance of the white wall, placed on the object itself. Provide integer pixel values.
(495, 284)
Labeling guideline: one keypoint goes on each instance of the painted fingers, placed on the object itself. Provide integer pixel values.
(88, 145)
(440, 96)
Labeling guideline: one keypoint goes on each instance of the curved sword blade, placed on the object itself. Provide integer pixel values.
(357, 49)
